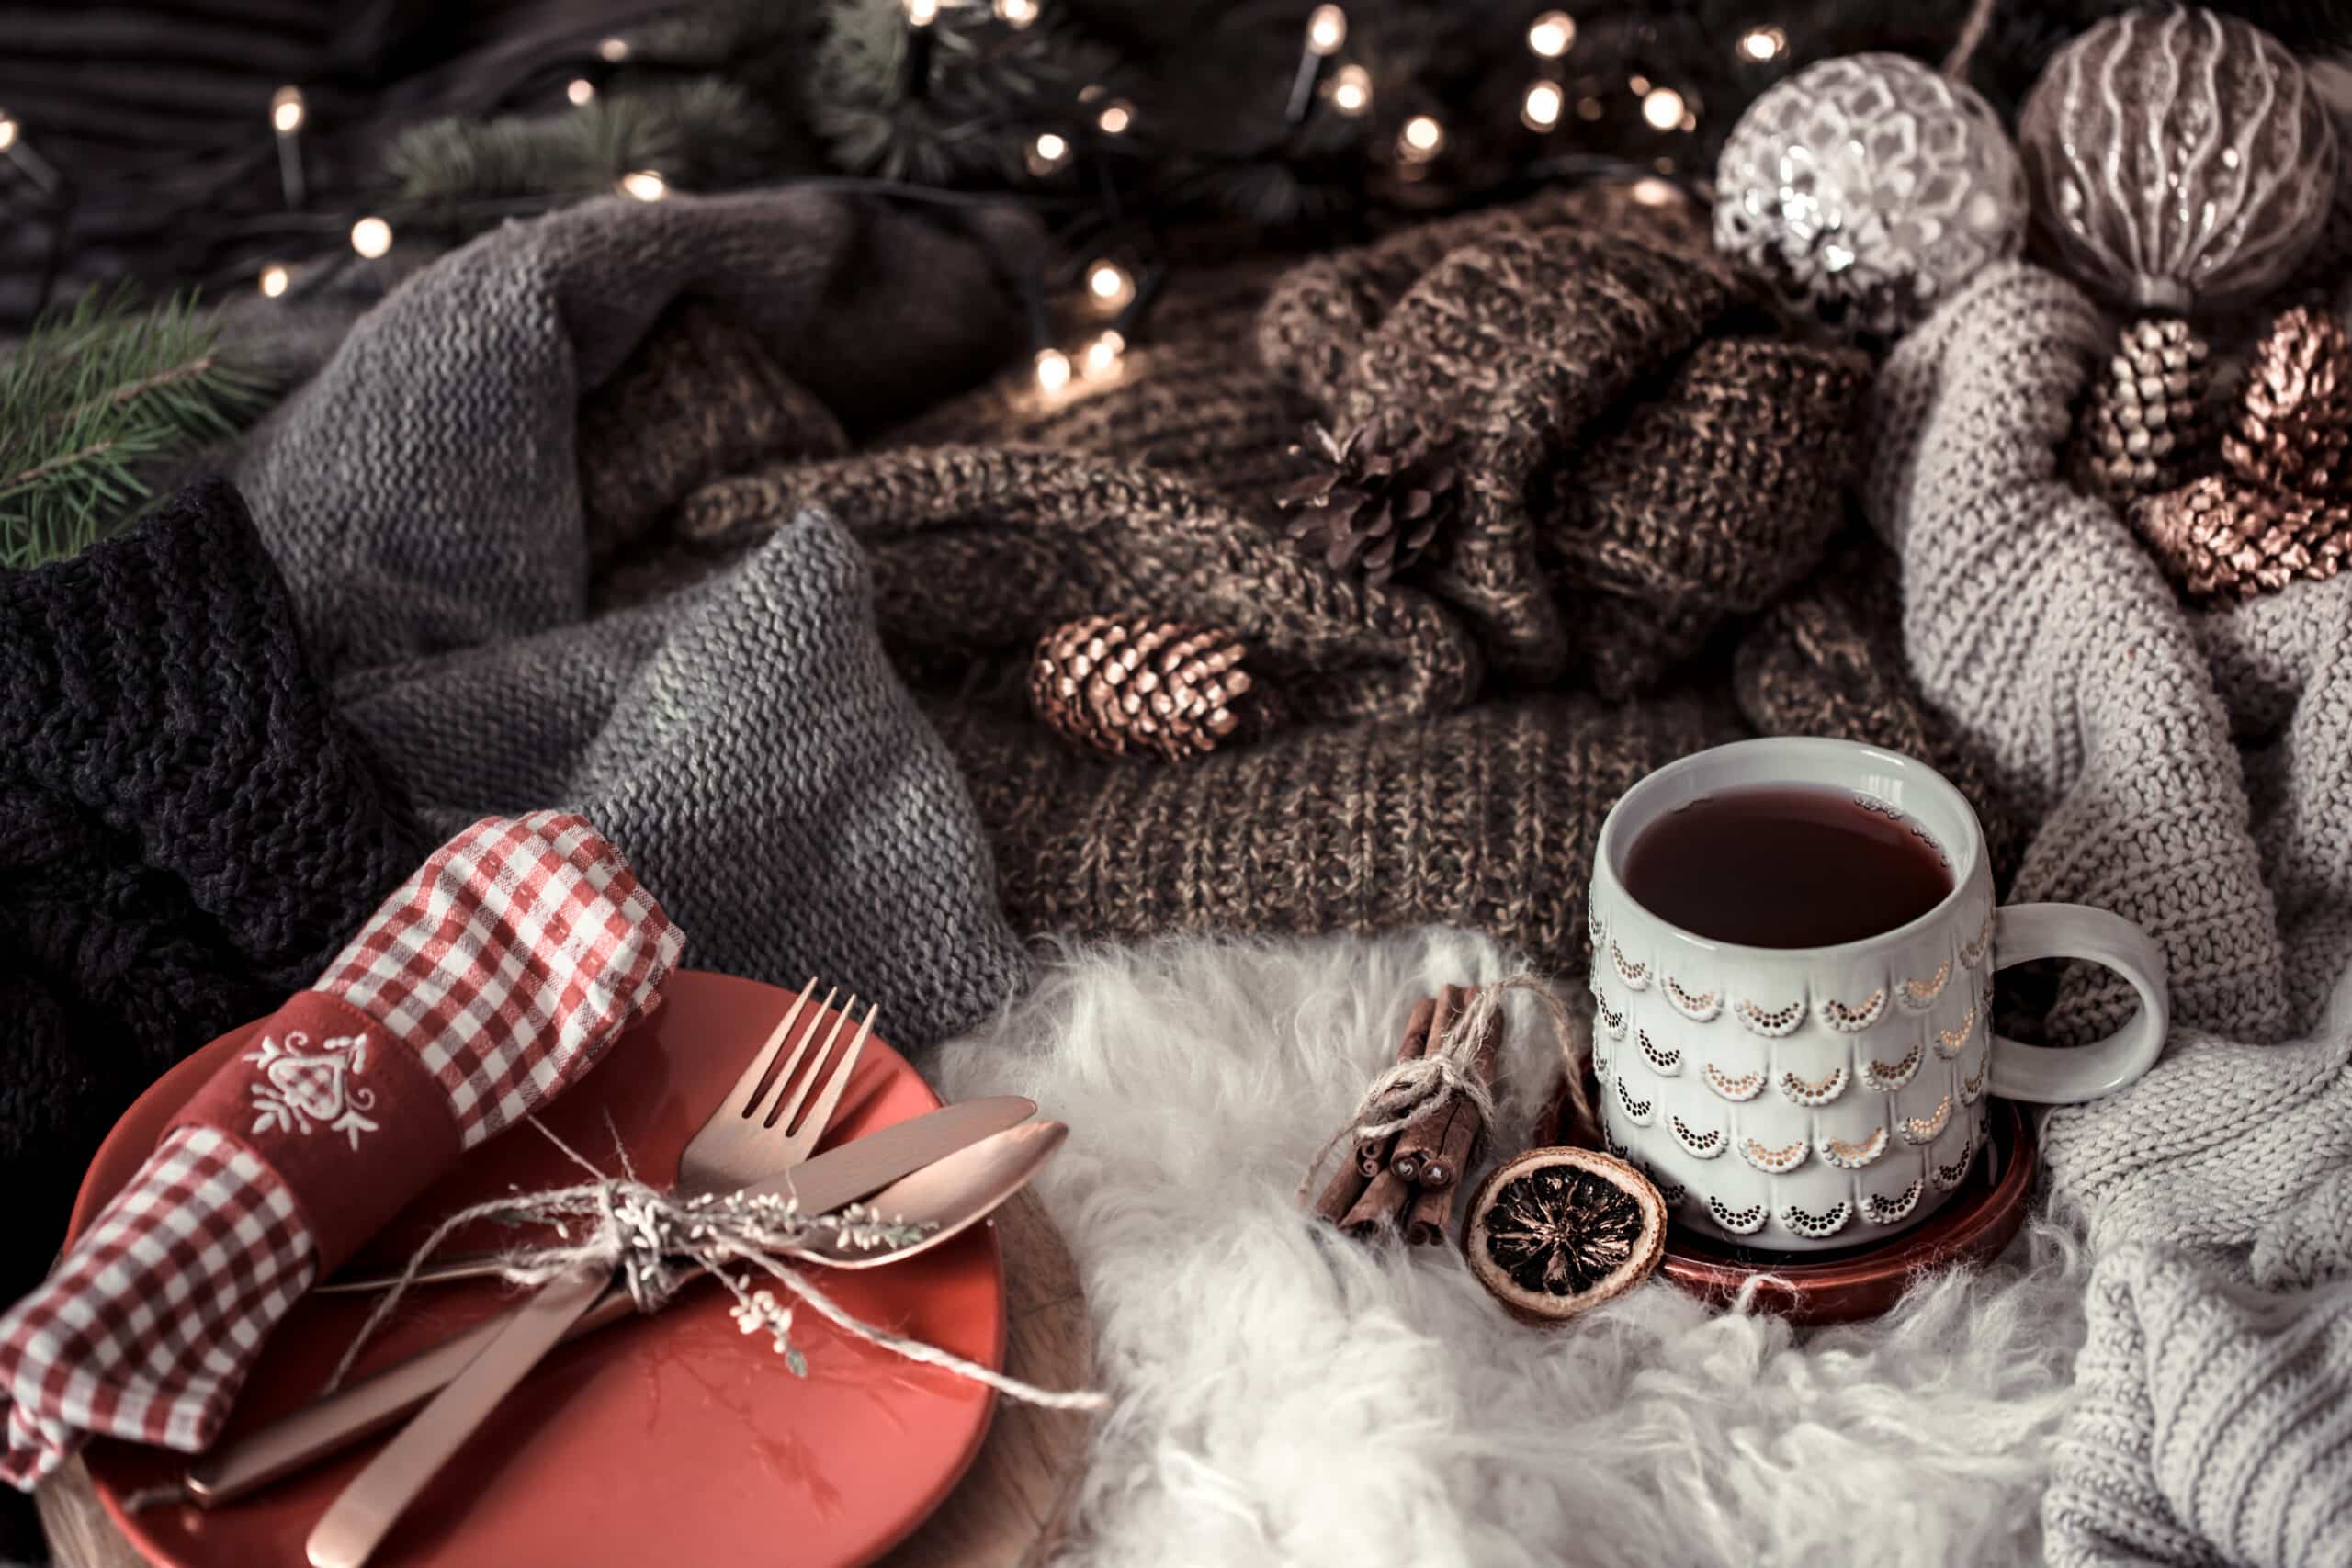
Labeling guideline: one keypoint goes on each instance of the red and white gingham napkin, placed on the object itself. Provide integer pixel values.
(493, 980)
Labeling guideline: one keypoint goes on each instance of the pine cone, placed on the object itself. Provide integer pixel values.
(2220, 538)
(1381, 498)
(1122, 685)
(2294, 414)
(2143, 427)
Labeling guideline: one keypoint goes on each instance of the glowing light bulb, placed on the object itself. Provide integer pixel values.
(7, 131)
(1352, 89)
(1763, 43)
(275, 281)
(645, 185)
(1540, 110)
(1111, 284)
(1016, 13)
(1663, 107)
(1420, 140)
(921, 13)
(1590, 109)
(286, 110)
(371, 237)
(1104, 355)
(613, 50)
(1116, 116)
(580, 90)
(1651, 191)
(1048, 152)
(1053, 370)
(1552, 35)
(1326, 30)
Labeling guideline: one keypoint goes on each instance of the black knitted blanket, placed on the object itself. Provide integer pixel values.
(187, 831)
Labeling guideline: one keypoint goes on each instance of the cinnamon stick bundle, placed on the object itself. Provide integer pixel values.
(1412, 1182)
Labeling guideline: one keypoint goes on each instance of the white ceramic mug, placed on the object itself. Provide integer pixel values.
(1806, 1099)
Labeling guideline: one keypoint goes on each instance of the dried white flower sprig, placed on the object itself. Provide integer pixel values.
(656, 1243)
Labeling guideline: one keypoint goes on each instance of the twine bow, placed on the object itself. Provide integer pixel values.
(656, 1241)
(1406, 1090)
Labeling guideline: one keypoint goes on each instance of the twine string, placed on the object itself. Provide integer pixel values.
(1972, 33)
(655, 1242)
(1406, 1090)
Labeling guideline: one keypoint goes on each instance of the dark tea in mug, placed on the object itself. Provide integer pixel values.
(1784, 865)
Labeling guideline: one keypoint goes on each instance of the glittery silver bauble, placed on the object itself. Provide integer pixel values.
(1868, 187)
(2179, 159)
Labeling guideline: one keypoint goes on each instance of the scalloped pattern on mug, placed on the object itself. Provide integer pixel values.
(1672, 1193)
(1666, 1063)
(1888, 1077)
(1816, 1225)
(1773, 1162)
(1770, 1022)
(1950, 1043)
(1852, 1018)
(1746, 1085)
(1636, 975)
(1928, 1128)
(1946, 1177)
(1919, 995)
(1739, 1222)
(1853, 1156)
(1699, 1006)
(1611, 1019)
(1812, 1091)
(1601, 1067)
(1637, 1111)
(1594, 928)
(1972, 1084)
(1971, 953)
(1705, 1146)
(1883, 1211)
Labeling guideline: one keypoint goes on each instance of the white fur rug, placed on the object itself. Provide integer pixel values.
(1285, 1396)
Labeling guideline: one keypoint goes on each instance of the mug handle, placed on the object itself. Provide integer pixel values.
(2023, 932)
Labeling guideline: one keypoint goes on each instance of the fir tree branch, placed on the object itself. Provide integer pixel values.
(701, 133)
(91, 402)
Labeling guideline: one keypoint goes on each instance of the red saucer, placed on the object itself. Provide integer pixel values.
(1975, 1223)
(673, 1439)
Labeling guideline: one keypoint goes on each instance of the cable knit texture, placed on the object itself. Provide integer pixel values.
(2196, 774)
(743, 741)
(1641, 462)
(1655, 469)
(1482, 817)
(187, 831)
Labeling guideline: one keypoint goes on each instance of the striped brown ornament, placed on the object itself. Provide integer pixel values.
(2179, 159)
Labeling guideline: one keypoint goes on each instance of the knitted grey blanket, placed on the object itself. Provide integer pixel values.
(744, 742)
(2194, 774)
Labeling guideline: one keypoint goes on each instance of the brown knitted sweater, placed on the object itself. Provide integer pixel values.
(1647, 468)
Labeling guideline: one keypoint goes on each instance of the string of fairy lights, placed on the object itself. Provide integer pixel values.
(1110, 290)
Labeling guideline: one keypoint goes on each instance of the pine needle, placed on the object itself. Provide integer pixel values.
(703, 133)
(91, 400)
(991, 89)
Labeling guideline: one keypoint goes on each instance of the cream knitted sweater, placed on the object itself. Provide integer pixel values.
(2194, 774)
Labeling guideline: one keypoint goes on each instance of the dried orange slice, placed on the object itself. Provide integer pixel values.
(1557, 1231)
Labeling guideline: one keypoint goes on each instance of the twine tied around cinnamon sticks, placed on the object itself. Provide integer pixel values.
(1417, 1130)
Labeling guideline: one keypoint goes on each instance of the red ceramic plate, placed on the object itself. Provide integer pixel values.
(672, 1440)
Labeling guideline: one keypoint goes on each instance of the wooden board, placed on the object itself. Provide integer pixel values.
(1009, 1510)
